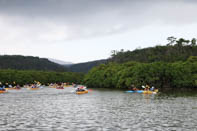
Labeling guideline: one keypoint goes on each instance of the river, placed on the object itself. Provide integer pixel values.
(50, 109)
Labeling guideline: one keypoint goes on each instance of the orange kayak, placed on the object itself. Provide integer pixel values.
(3, 91)
(82, 92)
(33, 88)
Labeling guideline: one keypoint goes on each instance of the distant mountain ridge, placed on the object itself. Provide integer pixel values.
(60, 61)
(86, 66)
(20, 62)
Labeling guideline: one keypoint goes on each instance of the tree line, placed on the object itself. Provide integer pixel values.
(44, 77)
(159, 74)
(175, 50)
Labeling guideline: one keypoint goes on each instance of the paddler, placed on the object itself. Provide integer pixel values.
(152, 88)
(147, 88)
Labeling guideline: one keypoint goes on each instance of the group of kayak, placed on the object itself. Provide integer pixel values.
(79, 89)
(145, 90)
(59, 85)
(4, 88)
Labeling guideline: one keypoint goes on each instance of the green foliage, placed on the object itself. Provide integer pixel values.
(175, 50)
(158, 74)
(28, 77)
(173, 65)
(192, 59)
(28, 63)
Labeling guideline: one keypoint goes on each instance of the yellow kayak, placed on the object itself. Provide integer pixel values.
(81, 92)
(10, 88)
(53, 86)
(67, 85)
(150, 92)
(33, 88)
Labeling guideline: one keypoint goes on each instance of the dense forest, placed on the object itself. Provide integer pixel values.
(19, 62)
(29, 77)
(175, 50)
(158, 74)
(170, 66)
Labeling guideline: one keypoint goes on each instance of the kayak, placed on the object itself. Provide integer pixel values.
(82, 92)
(67, 85)
(52, 86)
(59, 88)
(151, 92)
(10, 88)
(33, 88)
(130, 91)
(3, 91)
(144, 92)
(138, 91)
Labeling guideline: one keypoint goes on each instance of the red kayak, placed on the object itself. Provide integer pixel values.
(60, 88)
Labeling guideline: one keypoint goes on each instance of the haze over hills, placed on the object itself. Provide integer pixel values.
(86, 66)
(60, 62)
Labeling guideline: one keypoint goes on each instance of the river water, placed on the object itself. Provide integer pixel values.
(50, 109)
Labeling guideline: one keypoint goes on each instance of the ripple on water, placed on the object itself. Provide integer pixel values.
(51, 109)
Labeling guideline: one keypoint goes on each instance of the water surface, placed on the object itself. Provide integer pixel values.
(51, 109)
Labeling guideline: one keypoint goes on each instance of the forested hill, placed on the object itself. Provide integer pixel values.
(19, 62)
(175, 50)
(85, 67)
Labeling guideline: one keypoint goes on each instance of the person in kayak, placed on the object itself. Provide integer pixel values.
(152, 88)
(133, 87)
(147, 87)
(80, 89)
(10, 86)
(17, 86)
(2, 89)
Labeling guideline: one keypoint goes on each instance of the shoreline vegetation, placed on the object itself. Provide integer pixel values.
(23, 77)
(164, 67)
(158, 74)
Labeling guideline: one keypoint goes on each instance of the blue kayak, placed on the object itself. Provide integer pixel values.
(138, 91)
(130, 91)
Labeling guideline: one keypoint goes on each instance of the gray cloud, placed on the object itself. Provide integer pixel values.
(54, 20)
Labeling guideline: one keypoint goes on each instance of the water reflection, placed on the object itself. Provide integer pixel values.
(102, 110)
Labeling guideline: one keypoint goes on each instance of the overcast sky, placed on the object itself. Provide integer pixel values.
(86, 30)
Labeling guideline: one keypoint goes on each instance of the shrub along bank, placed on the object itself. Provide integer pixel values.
(159, 74)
